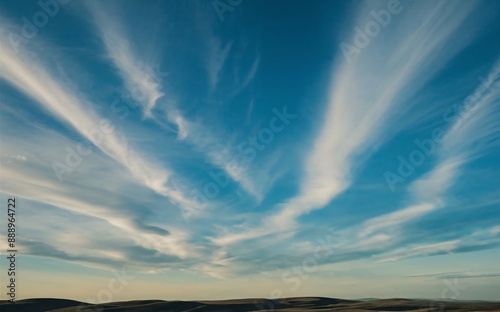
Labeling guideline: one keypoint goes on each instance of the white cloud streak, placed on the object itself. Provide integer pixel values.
(363, 96)
(356, 120)
(138, 76)
(476, 128)
(217, 153)
(90, 193)
(33, 79)
(216, 58)
(133, 72)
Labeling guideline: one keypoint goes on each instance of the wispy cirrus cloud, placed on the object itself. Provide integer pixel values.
(479, 240)
(87, 196)
(456, 275)
(473, 133)
(475, 130)
(138, 76)
(217, 56)
(218, 153)
(356, 121)
(36, 81)
(248, 78)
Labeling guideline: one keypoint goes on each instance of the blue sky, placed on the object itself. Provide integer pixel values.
(322, 148)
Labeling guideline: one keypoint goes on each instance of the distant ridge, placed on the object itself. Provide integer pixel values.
(39, 304)
(295, 304)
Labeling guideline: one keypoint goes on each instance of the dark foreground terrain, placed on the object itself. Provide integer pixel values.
(237, 305)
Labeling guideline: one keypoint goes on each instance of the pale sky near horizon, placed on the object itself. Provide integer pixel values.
(233, 149)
